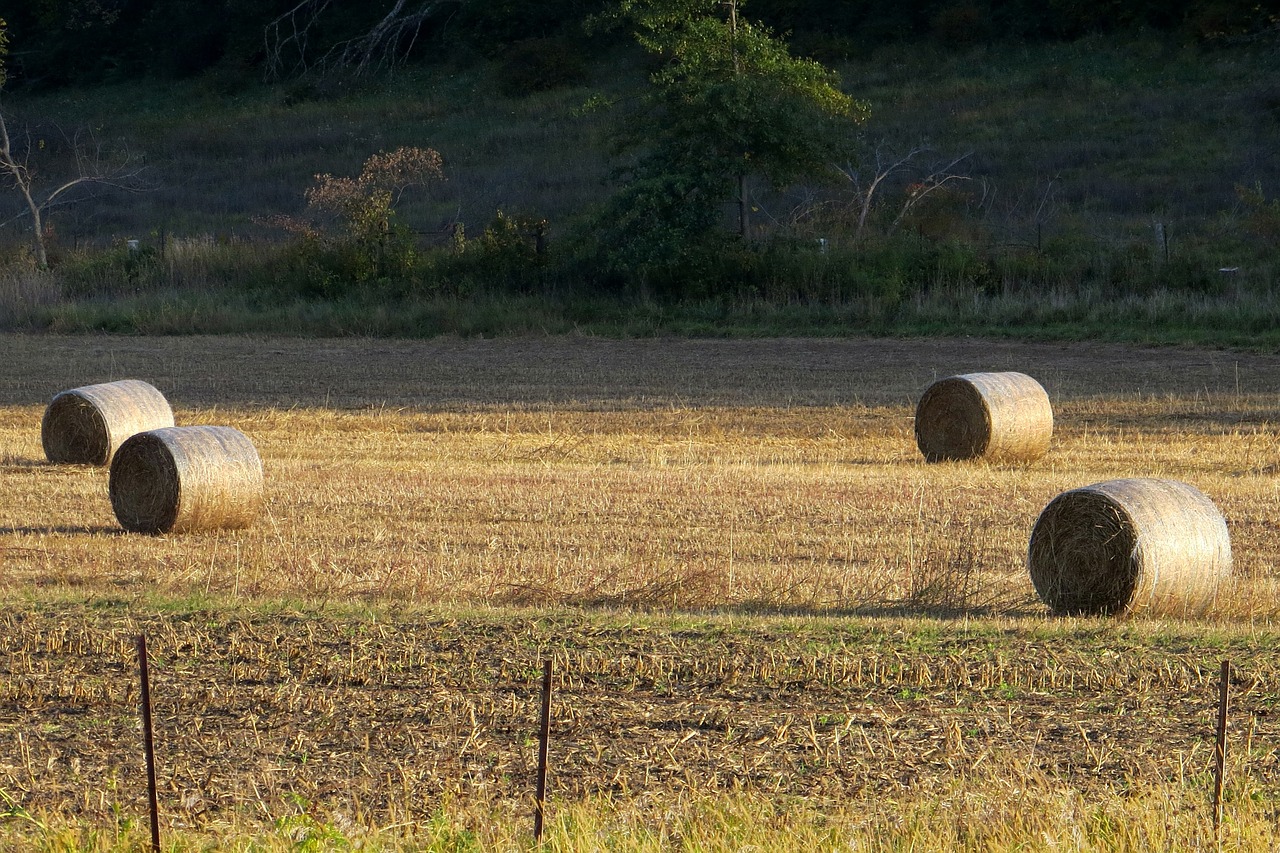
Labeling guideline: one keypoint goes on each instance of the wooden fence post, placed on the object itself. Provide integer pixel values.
(148, 744)
(1220, 752)
(544, 739)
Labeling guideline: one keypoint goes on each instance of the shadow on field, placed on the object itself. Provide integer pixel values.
(886, 610)
(900, 611)
(16, 462)
(663, 598)
(68, 530)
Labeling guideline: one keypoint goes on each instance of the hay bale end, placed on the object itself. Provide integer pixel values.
(182, 479)
(1128, 546)
(995, 416)
(85, 426)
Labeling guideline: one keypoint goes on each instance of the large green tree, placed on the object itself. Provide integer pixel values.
(729, 105)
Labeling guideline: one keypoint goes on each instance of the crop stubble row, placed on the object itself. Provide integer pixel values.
(393, 716)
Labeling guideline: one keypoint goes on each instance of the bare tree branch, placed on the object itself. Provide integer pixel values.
(292, 29)
(868, 184)
(384, 46)
(866, 194)
(92, 169)
(931, 183)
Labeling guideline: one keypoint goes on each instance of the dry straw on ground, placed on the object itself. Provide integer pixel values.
(997, 416)
(495, 487)
(182, 479)
(87, 425)
(1128, 546)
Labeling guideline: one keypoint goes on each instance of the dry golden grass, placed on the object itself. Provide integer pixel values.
(440, 484)
(974, 815)
(592, 493)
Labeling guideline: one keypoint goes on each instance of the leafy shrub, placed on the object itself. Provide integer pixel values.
(509, 256)
(119, 271)
(355, 239)
(1262, 217)
(364, 205)
(541, 64)
(961, 25)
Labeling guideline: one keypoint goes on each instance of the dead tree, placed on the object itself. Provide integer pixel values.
(384, 46)
(92, 168)
(865, 184)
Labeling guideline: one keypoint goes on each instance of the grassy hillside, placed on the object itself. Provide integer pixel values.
(1100, 170)
(1111, 132)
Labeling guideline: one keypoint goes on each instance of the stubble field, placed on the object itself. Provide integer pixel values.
(765, 610)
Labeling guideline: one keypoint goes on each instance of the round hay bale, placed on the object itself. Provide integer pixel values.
(996, 416)
(87, 425)
(1129, 546)
(181, 479)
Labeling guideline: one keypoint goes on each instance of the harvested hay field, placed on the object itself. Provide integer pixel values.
(391, 717)
(750, 579)
(769, 476)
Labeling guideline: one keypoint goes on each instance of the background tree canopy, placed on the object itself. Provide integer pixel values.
(60, 42)
(729, 103)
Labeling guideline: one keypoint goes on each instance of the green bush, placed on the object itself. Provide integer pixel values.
(510, 256)
(334, 270)
(119, 270)
(541, 64)
(1262, 217)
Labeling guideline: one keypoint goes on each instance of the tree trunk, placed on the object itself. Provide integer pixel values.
(37, 222)
(21, 177)
(744, 210)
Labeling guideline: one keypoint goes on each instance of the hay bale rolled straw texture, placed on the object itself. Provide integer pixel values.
(996, 416)
(182, 479)
(87, 425)
(1130, 546)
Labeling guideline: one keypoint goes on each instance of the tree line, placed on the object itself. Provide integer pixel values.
(86, 42)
